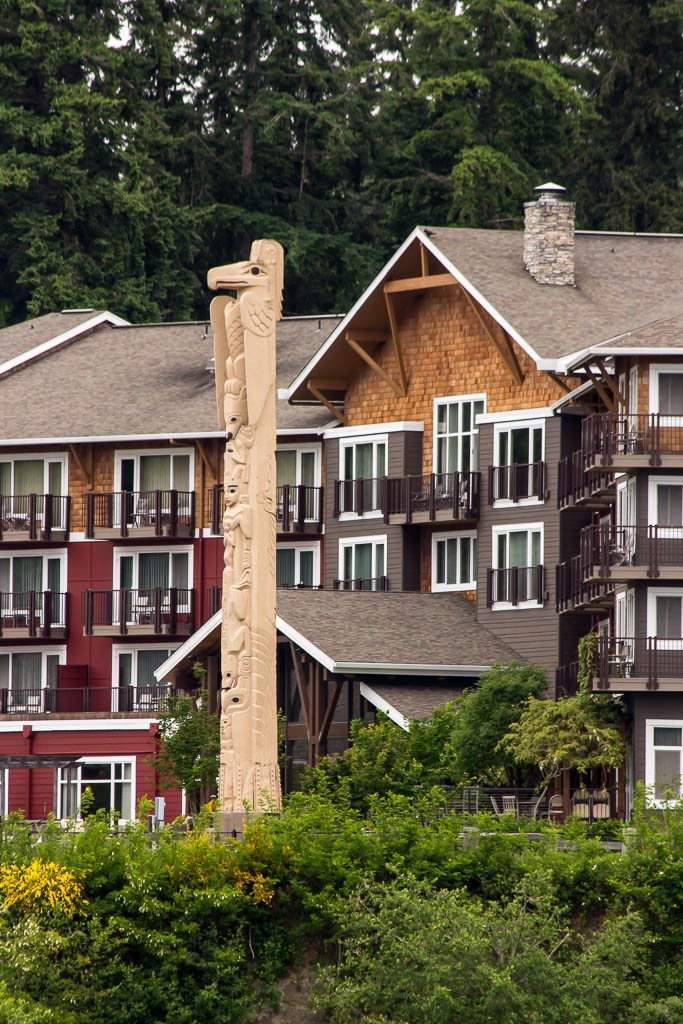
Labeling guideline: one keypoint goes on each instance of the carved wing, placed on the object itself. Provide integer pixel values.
(220, 349)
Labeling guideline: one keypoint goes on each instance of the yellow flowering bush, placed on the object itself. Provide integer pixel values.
(255, 886)
(40, 887)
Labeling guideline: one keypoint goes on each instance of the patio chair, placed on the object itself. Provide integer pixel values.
(601, 805)
(509, 804)
(581, 804)
(555, 809)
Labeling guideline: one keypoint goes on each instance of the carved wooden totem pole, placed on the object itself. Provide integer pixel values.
(244, 346)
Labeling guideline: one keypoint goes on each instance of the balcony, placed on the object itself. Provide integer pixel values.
(518, 482)
(84, 699)
(518, 585)
(158, 611)
(374, 583)
(434, 497)
(594, 490)
(621, 442)
(33, 614)
(34, 517)
(575, 593)
(639, 663)
(299, 509)
(627, 553)
(113, 514)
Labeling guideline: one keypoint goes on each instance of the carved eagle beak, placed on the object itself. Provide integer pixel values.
(236, 276)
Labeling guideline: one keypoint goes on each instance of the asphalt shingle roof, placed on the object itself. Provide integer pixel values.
(415, 700)
(21, 337)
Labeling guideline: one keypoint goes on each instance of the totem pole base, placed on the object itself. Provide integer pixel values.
(232, 823)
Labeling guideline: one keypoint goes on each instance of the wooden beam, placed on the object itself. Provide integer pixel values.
(366, 335)
(611, 383)
(86, 470)
(396, 341)
(416, 284)
(424, 260)
(329, 710)
(503, 346)
(206, 459)
(359, 350)
(315, 387)
(301, 687)
(607, 398)
(567, 388)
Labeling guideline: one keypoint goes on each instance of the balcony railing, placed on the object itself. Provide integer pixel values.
(34, 517)
(515, 586)
(576, 486)
(79, 700)
(375, 583)
(567, 679)
(155, 611)
(517, 482)
(609, 436)
(299, 506)
(574, 592)
(34, 613)
(646, 661)
(428, 497)
(649, 549)
(152, 513)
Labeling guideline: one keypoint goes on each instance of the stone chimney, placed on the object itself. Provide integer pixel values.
(549, 236)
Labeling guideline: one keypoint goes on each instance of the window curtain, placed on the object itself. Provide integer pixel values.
(670, 505)
(671, 393)
(26, 671)
(148, 661)
(285, 463)
(153, 570)
(28, 476)
(155, 472)
(305, 568)
(363, 561)
(308, 469)
(181, 473)
(286, 562)
(669, 617)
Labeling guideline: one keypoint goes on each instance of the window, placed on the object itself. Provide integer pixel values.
(518, 470)
(298, 565)
(456, 434)
(154, 470)
(135, 687)
(25, 675)
(665, 497)
(454, 561)
(663, 768)
(362, 464)
(517, 577)
(148, 573)
(38, 475)
(666, 390)
(362, 564)
(665, 620)
(111, 784)
(25, 578)
(298, 469)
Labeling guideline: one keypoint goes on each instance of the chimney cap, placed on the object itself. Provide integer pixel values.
(550, 188)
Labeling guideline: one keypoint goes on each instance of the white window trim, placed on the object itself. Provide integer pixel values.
(653, 508)
(370, 430)
(134, 649)
(527, 528)
(656, 369)
(650, 725)
(60, 651)
(652, 594)
(344, 444)
(120, 553)
(505, 428)
(4, 791)
(305, 449)
(45, 554)
(455, 535)
(100, 759)
(136, 453)
(307, 546)
(46, 457)
(377, 540)
(449, 400)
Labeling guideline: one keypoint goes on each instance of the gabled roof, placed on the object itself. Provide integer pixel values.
(405, 702)
(144, 381)
(34, 338)
(622, 282)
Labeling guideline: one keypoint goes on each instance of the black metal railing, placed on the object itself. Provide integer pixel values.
(606, 436)
(648, 658)
(36, 516)
(40, 700)
(574, 590)
(169, 513)
(514, 586)
(161, 610)
(567, 679)
(649, 548)
(33, 613)
(431, 495)
(575, 484)
(358, 496)
(362, 583)
(517, 482)
(297, 505)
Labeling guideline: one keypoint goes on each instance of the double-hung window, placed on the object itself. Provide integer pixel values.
(517, 576)
(135, 685)
(456, 433)
(663, 760)
(25, 674)
(518, 472)
(111, 785)
(363, 464)
(26, 579)
(362, 564)
(298, 565)
(22, 477)
(454, 561)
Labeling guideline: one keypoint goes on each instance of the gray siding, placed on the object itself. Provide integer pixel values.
(667, 706)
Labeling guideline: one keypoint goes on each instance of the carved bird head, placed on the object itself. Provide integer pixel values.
(264, 270)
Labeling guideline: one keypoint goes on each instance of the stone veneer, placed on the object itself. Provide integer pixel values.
(549, 239)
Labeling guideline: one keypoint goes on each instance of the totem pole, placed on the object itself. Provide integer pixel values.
(244, 346)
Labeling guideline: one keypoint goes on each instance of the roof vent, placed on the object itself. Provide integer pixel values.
(549, 236)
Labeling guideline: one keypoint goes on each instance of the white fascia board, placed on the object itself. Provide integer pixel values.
(383, 705)
(483, 302)
(304, 643)
(516, 414)
(56, 725)
(303, 431)
(367, 429)
(572, 395)
(60, 339)
(343, 325)
(111, 438)
(186, 649)
(398, 669)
